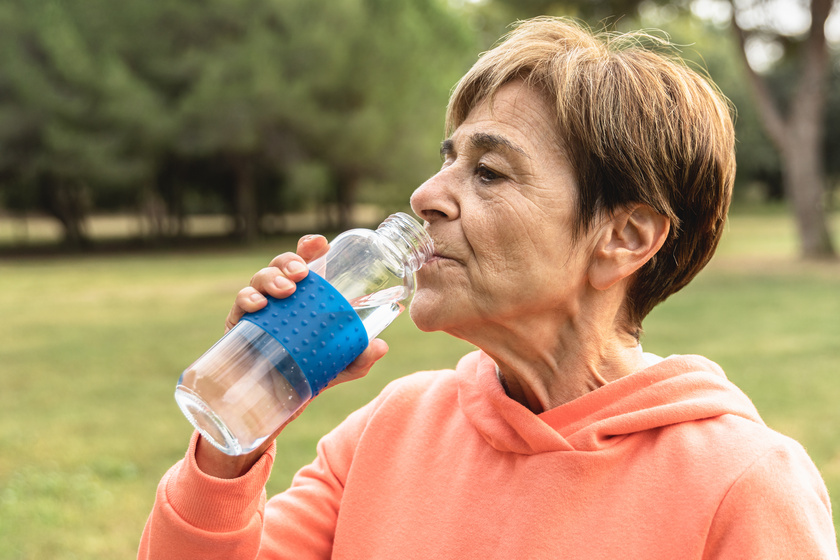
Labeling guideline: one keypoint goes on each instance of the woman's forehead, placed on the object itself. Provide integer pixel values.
(517, 119)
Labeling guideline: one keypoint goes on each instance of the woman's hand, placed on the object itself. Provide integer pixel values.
(278, 280)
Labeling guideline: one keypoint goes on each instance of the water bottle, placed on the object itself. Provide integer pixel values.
(275, 360)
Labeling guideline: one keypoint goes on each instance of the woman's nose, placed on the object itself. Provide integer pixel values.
(434, 200)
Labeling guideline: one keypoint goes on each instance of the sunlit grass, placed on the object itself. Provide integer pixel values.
(91, 348)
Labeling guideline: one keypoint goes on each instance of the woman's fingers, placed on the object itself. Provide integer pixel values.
(278, 279)
(310, 247)
(276, 283)
(293, 265)
(359, 367)
(248, 300)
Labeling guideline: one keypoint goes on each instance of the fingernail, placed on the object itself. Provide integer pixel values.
(295, 267)
(283, 283)
(257, 298)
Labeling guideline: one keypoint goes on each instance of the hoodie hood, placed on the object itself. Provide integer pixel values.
(674, 390)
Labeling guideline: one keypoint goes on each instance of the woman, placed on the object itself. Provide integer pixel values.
(584, 181)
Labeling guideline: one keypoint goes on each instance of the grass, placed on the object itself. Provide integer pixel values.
(92, 347)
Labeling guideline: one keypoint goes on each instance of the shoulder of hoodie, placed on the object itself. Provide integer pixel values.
(745, 441)
(751, 441)
(417, 397)
(755, 460)
(418, 388)
(756, 429)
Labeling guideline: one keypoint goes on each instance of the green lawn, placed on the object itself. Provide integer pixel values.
(92, 347)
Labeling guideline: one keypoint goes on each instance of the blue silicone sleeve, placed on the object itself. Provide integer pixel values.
(317, 326)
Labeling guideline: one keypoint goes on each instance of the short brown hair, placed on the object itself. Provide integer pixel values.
(637, 126)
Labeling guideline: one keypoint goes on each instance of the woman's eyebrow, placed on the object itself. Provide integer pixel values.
(485, 142)
(493, 142)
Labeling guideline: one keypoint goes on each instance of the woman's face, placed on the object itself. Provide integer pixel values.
(501, 212)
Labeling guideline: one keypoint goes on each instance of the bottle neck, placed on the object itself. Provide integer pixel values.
(409, 237)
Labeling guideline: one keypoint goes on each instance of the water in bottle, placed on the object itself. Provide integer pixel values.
(273, 361)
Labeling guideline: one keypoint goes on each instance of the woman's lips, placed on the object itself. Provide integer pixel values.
(441, 253)
(437, 257)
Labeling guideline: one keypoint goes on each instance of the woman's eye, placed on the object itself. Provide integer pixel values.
(486, 175)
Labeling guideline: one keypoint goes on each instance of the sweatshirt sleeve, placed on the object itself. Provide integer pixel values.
(202, 517)
(301, 522)
(778, 508)
(199, 516)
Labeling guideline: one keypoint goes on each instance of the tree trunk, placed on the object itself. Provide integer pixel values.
(345, 197)
(798, 136)
(65, 202)
(247, 216)
(153, 213)
(804, 183)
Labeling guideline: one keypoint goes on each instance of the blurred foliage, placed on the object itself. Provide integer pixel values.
(258, 108)
(158, 105)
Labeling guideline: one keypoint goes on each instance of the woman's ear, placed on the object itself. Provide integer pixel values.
(629, 238)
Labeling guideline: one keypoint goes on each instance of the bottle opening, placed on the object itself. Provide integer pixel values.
(408, 234)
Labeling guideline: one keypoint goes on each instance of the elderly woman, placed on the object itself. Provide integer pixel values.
(583, 182)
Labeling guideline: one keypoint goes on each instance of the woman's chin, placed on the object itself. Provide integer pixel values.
(421, 319)
(425, 314)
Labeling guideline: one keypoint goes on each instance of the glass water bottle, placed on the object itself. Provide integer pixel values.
(275, 360)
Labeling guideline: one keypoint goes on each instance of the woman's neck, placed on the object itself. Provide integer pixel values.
(543, 365)
(546, 385)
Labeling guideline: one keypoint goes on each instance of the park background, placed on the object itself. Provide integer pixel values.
(153, 155)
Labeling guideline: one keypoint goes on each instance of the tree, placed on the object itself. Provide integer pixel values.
(179, 104)
(832, 144)
(74, 116)
(373, 114)
(353, 95)
(798, 132)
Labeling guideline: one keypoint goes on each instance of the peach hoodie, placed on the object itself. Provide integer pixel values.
(670, 463)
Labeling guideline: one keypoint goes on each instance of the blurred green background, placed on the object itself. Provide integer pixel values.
(149, 124)
(153, 155)
(92, 348)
